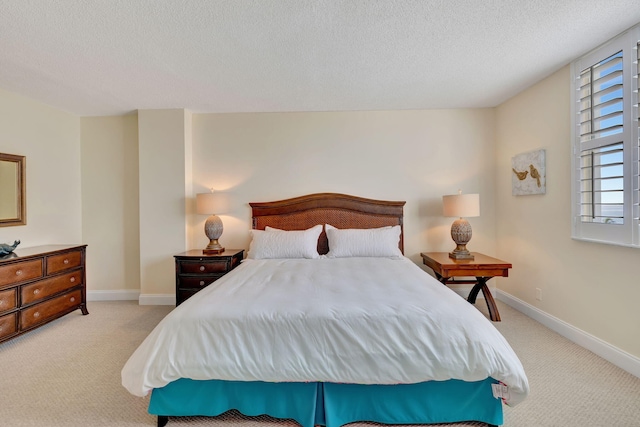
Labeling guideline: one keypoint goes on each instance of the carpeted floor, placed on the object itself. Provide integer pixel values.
(67, 373)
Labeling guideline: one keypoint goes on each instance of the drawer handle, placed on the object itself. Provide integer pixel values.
(36, 314)
(201, 282)
(202, 268)
(19, 273)
(72, 299)
(66, 261)
(36, 291)
(73, 279)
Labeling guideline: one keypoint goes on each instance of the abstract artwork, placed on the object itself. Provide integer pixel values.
(528, 173)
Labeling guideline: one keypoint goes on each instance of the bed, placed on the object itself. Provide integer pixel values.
(351, 331)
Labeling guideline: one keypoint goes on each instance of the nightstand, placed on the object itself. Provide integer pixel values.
(196, 271)
(483, 268)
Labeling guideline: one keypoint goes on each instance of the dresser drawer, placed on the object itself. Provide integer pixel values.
(62, 262)
(203, 267)
(20, 272)
(8, 325)
(197, 282)
(50, 309)
(45, 288)
(8, 300)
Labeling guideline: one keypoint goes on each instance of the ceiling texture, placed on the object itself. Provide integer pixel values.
(109, 57)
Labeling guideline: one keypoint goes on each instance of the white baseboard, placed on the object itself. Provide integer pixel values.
(618, 357)
(157, 299)
(128, 295)
(118, 295)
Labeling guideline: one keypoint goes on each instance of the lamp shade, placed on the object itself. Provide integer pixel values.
(212, 203)
(461, 205)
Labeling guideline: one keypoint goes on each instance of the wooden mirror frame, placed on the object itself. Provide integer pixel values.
(21, 187)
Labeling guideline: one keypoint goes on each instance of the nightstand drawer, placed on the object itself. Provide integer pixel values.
(197, 282)
(206, 266)
(184, 294)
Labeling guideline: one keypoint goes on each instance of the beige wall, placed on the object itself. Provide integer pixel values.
(110, 208)
(259, 157)
(416, 156)
(593, 287)
(50, 140)
(164, 150)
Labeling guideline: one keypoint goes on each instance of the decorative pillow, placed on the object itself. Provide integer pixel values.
(369, 242)
(284, 244)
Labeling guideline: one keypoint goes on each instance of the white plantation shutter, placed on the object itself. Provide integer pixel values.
(601, 163)
(605, 139)
(636, 172)
(602, 184)
(601, 96)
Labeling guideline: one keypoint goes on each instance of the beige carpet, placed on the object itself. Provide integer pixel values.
(68, 374)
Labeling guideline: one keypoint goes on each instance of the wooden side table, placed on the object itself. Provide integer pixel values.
(195, 270)
(483, 268)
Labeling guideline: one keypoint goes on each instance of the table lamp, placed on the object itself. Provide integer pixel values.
(212, 203)
(461, 205)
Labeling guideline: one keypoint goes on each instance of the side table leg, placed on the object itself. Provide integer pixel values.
(494, 315)
(491, 304)
(441, 279)
(476, 288)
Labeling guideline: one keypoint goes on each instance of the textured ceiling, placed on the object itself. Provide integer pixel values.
(101, 57)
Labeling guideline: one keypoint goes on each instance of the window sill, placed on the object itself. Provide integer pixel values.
(605, 242)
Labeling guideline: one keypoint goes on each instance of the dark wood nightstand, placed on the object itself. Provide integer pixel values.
(483, 268)
(195, 271)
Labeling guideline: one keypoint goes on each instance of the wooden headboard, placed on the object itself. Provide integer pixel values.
(339, 210)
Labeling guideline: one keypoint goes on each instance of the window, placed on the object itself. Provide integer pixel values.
(605, 179)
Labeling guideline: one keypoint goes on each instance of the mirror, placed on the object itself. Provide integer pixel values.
(13, 203)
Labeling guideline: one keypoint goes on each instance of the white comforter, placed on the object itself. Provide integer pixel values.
(347, 320)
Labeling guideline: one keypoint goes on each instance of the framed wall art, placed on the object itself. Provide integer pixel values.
(528, 173)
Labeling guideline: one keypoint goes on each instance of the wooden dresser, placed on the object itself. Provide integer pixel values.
(40, 284)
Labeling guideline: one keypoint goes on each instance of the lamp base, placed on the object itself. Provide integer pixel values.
(213, 248)
(465, 254)
(461, 234)
(212, 251)
(213, 230)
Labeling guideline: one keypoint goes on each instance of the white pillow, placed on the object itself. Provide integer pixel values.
(284, 244)
(369, 242)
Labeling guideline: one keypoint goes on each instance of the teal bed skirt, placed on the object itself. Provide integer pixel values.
(332, 404)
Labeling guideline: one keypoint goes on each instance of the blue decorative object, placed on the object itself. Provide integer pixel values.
(6, 249)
